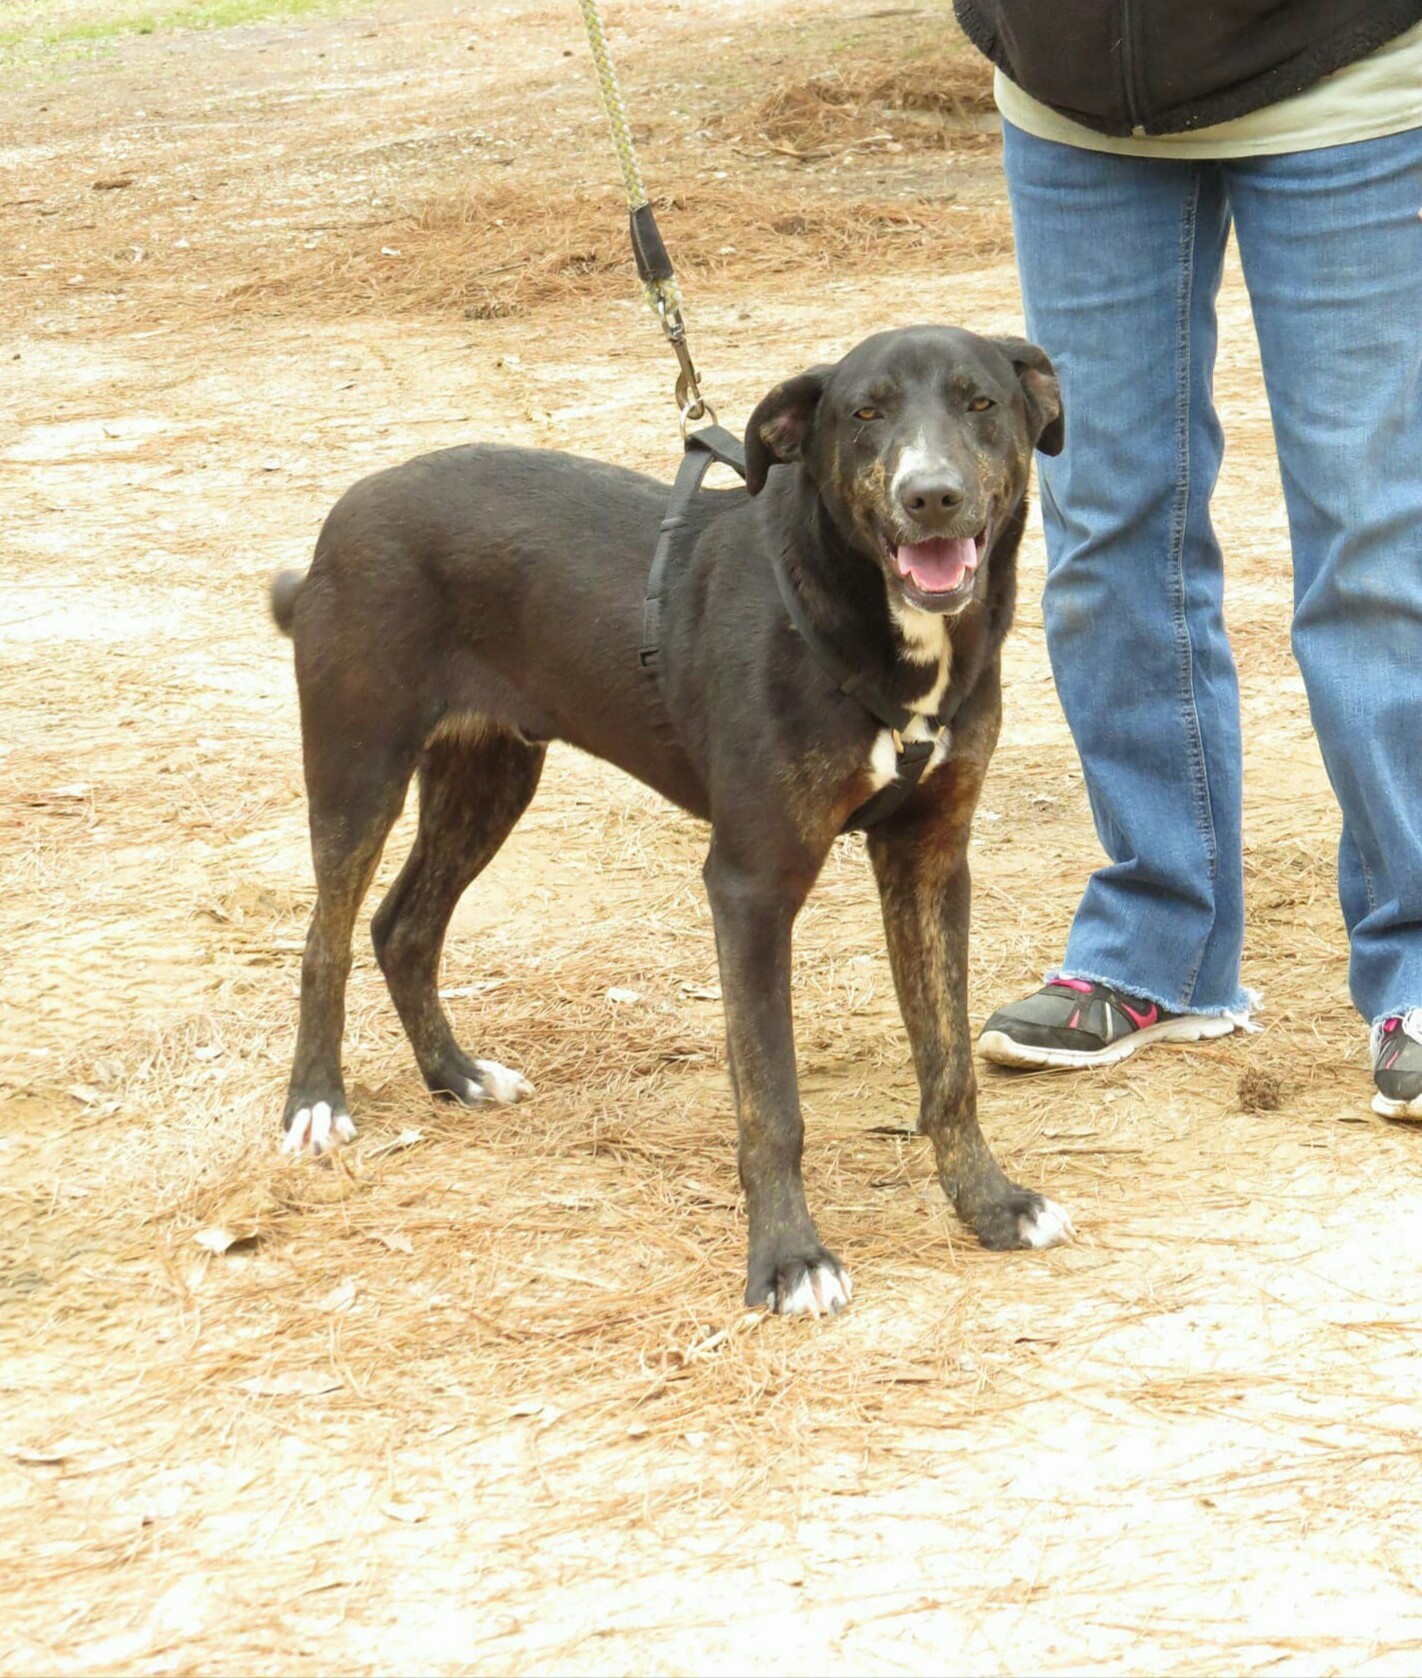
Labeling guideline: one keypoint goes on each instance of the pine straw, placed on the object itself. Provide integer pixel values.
(508, 251)
(519, 1338)
(927, 103)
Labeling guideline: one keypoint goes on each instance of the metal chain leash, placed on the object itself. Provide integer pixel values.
(653, 264)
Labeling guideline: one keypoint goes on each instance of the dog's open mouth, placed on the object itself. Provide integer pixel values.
(939, 574)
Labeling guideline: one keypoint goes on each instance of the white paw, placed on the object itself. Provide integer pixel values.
(820, 1292)
(1048, 1228)
(500, 1084)
(318, 1130)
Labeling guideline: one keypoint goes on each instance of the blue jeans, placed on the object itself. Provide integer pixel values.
(1120, 259)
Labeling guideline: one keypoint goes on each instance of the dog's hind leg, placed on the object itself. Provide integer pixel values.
(920, 861)
(475, 783)
(355, 798)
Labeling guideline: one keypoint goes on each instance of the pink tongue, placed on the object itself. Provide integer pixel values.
(939, 565)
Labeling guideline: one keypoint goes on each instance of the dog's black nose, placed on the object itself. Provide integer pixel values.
(929, 495)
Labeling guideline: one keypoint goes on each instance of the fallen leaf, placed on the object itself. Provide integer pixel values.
(218, 1239)
(398, 1510)
(341, 1297)
(702, 993)
(85, 1093)
(393, 1239)
(113, 183)
(620, 993)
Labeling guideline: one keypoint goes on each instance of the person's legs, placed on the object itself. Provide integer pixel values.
(1120, 263)
(1331, 245)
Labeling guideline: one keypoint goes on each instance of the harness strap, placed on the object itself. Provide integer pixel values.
(710, 443)
(911, 760)
(852, 682)
(715, 443)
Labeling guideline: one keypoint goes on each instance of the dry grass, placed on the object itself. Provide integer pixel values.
(483, 1395)
(505, 252)
(930, 103)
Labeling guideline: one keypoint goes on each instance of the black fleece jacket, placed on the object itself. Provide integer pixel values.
(1165, 66)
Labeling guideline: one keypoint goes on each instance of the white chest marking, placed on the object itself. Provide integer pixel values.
(925, 640)
(883, 759)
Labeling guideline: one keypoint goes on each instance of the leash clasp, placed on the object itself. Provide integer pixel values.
(691, 404)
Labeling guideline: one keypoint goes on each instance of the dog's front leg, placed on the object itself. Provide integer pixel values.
(920, 861)
(754, 908)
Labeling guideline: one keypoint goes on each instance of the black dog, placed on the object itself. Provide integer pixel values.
(466, 608)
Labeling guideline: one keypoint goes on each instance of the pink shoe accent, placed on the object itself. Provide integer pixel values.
(1149, 1017)
(1075, 1019)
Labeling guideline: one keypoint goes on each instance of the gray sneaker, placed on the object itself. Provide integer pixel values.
(1397, 1065)
(1074, 1023)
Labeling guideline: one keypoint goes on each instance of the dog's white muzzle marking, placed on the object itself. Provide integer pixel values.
(913, 458)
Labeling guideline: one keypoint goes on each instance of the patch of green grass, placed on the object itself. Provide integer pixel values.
(48, 28)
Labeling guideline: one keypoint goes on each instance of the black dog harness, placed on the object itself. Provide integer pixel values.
(911, 758)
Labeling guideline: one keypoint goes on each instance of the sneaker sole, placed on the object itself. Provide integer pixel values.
(1002, 1050)
(1392, 1109)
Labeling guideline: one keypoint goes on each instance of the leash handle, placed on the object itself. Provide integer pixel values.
(654, 265)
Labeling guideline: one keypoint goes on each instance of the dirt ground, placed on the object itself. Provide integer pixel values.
(485, 1398)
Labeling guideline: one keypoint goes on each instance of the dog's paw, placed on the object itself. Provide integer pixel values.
(1048, 1226)
(481, 1083)
(1023, 1220)
(317, 1129)
(816, 1286)
(502, 1084)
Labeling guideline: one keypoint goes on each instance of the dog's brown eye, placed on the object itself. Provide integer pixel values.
(867, 413)
(981, 404)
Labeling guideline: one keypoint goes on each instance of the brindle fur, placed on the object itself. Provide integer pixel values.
(468, 607)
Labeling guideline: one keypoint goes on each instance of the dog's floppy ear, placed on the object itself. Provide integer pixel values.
(1038, 379)
(776, 430)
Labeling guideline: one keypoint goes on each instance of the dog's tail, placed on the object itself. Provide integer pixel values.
(286, 586)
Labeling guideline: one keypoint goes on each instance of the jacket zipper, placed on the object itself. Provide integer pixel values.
(1130, 69)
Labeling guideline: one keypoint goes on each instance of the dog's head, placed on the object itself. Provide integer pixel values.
(918, 442)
